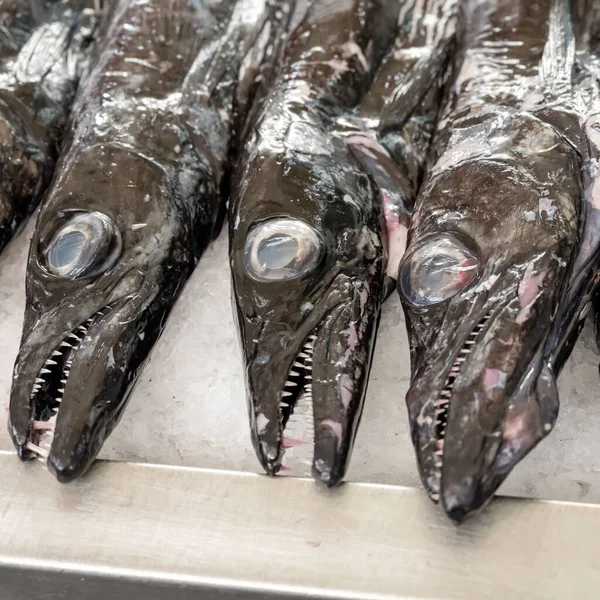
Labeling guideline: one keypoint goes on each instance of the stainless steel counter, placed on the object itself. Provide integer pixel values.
(144, 532)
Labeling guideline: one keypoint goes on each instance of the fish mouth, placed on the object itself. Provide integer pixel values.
(490, 407)
(306, 403)
(442, 404)
(48, 388)
(69, 391)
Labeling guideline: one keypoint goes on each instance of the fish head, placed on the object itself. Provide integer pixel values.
(481, 279)
(106, 259)
(307, 267)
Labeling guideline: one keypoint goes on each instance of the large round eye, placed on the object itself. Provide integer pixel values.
(436, 271)
(85, 245)
(281, 249)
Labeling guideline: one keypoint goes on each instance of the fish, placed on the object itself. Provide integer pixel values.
(308, 238)
(486, 271)
(137, 196)
(43, 48)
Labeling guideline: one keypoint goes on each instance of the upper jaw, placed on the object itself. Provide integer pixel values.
(320, 370)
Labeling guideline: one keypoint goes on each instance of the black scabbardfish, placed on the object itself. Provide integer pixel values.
(494, 229)
(135, 200)
(43, 46)
(306, 241)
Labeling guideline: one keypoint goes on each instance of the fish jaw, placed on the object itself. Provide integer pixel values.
(327, 358)
(493, 399)
(71, 383)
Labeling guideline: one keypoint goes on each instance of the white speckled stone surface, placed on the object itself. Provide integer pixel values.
(189, 406)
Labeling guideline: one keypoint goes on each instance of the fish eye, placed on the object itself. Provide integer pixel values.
(436, 271)
(85, 244)
(282, 248)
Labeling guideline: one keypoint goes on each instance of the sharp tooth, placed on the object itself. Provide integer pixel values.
(45, 371)
(284, 394)
(290, 384)
(308, 376)
(295, 373)
(61, 390)
(57, 353)
(284, 405)
(40, 380)
(298, 364)
(66, 344)
(51, 362)
(31, 446)
(63, 381)
(303, 355)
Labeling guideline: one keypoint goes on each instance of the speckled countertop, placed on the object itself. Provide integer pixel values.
(189, 406)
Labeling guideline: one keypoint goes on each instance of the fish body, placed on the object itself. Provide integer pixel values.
(494, 230)
(135, 200)
(43, 47)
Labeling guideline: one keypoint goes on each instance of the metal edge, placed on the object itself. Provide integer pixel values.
(244, 535)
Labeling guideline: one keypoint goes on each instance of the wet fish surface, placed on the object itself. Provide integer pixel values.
(490, 251)
(136, 198)
(43, 47)
(307, 225)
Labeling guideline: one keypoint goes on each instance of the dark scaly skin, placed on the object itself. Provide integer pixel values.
(507, 185)
(148, 147)
(392, 130)
(43, 44)
(295, 166)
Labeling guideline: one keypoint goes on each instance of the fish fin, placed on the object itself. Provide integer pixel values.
(396, 192)
(558, 58)
(409, 94)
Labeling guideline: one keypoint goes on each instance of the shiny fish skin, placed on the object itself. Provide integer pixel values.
(307, 340)
(499, 212)
(140, 179)
(392, 130)
(43, 46)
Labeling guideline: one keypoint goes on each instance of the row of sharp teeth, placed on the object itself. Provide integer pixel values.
(443, 401)
(71, 343)
(303, 361)
(298, 440)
